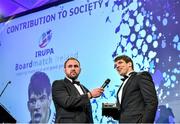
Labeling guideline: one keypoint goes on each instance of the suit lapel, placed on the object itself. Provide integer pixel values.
(72, 87)
(126, 86)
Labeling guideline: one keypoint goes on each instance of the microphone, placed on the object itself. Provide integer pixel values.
(106, 83)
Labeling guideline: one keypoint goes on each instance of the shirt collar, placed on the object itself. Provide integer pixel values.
(71, 79)
(129, 73)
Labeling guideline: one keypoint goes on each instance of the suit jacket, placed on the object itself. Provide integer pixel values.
(71, 107)
(139, 99)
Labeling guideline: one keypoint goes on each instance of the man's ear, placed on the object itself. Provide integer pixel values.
(80, 71)
(130, 64)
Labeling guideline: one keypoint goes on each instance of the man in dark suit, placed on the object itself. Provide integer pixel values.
(136, 98)
(72, 99)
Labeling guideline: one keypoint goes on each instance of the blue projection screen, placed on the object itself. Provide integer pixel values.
(94, 31)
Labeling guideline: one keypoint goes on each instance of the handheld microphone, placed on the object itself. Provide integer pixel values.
(106, 83)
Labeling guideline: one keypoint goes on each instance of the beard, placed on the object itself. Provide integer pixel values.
(73, 75)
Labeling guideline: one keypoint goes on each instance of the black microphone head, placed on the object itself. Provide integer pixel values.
(106, 83)
(107, 80)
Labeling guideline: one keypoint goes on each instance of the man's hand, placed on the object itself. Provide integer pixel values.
(95, 93)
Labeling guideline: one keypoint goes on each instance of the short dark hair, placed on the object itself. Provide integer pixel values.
(38, 83)
(71, 58)
(125, 58)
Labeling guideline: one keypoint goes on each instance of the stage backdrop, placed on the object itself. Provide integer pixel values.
(94, 31)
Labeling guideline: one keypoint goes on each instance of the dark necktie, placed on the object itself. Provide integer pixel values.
(76, 82)
(124, 78)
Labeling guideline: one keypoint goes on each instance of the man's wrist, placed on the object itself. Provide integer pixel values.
(90, 95)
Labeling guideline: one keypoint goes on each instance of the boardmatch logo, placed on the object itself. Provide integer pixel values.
(45, 39)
